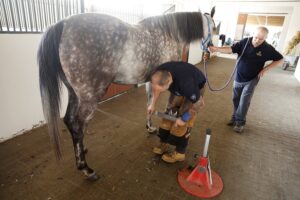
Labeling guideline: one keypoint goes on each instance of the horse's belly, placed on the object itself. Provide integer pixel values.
(130, 72)
(132, 67)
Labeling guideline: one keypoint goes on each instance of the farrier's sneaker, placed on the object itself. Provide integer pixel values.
(161, 149)
(173, 157)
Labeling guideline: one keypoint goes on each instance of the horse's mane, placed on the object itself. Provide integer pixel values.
(181, 26)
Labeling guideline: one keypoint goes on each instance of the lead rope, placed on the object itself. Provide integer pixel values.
(231, 76)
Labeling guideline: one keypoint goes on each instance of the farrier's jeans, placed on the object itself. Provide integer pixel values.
(242, 94)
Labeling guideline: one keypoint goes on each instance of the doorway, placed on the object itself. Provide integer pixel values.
(248, 22)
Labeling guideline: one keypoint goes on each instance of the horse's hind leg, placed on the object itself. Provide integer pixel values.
(76, 119)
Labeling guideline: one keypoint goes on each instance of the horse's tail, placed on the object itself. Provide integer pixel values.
(50, 74)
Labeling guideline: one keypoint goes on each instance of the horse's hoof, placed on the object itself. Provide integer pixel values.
(93, 177)
(152, 130)
(85, 151)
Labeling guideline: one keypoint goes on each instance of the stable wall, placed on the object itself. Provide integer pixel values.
(297, 72)
(20, 107)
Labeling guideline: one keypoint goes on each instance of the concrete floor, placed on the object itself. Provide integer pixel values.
(262, 163)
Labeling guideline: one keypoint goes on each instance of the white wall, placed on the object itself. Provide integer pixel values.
(297, 72)
(20, 106)
(195, 5)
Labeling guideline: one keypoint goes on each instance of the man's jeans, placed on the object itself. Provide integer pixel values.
(242, 94)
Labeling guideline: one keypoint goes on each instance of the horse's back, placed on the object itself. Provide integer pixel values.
(95, 29)
(91, 47)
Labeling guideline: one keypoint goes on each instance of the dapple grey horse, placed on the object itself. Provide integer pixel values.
(88, 52)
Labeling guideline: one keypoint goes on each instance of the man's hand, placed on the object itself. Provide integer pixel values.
(150, 109)
(262, 72)
(212, 49)
(269, 66)
(179, 122)
(206, 56)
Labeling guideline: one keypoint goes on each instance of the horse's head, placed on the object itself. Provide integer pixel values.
(210, 29)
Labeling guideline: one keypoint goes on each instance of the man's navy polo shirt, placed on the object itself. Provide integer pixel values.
(187, 79)
(253, 59)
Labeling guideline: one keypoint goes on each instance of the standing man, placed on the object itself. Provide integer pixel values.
(186, 85)
(250, 69)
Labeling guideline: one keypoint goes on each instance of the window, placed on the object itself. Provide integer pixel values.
(34, 16)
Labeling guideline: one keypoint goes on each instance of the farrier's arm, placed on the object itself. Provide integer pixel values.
(187, 104)
(155, 95)
(269, 66)
(186, 108)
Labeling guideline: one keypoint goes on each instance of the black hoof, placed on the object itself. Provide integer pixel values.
(93, 177)
(151, 130)
(85, 151)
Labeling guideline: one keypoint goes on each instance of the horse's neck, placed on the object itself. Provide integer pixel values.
(168, 48)
(151, 48)
(172, 51)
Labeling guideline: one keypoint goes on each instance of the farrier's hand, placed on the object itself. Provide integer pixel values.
(179, 122)
(150, 109)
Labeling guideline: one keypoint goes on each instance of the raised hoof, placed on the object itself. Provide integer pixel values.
(85, 151)
(93, 177)
(151, 129)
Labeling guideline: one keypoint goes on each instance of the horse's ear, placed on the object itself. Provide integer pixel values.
(212, 12)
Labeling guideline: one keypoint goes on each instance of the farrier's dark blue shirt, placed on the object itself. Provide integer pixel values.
(187, 79)
(253, 59)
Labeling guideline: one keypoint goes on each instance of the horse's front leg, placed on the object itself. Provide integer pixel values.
(151, 129)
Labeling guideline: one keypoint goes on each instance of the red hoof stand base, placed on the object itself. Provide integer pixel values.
(197, 181)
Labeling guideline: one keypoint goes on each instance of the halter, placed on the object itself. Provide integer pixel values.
(204, 43)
